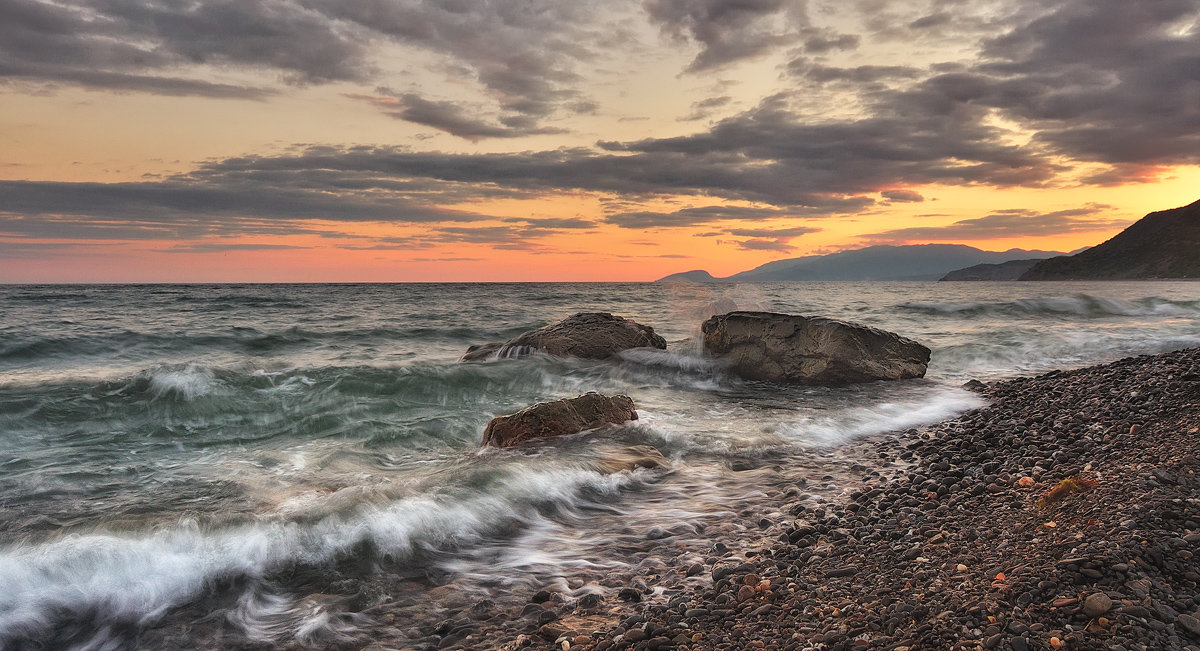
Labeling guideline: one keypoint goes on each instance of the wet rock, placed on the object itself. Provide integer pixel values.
(558, 418)
(589, 335)
(629, 594)
(793, 349)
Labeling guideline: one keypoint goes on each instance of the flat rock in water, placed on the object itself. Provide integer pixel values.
(557, 418)
(792, 349)
(589, 335)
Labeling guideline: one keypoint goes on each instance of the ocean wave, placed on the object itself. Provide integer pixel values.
(853, 423)
(135, 580)
(187, 383)
(25, 348)
(1085, 305)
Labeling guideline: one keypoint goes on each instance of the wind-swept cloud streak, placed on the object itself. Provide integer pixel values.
(1018, 222)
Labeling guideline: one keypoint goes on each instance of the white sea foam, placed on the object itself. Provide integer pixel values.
(139, 578)
(186, 383)
(846, 425)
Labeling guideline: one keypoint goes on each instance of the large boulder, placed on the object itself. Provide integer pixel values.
(557, 418)
(590, 335)
(791, 349)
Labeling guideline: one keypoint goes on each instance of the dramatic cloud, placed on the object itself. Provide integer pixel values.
(779, 233)
(908, 196)
(1001, 94)
(1010, 223)
(451, 117)
(729, 30)
(222, 247)
(522, 54)
(687, 217)
(822, 42)
(1093, 80)
(705, 107)
(858, 74)
(117, 44)
(187, 207)
(765, 245)
(769, 239)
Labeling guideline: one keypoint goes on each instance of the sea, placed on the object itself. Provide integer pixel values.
(215, 466)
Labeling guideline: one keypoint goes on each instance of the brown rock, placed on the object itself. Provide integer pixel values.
(1096, 604)
(745, 593)
(589, 335)
(557, 418)
(794, 349)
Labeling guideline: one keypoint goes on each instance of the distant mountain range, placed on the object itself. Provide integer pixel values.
(1163, 244)
(911, 262)
(1010, 270)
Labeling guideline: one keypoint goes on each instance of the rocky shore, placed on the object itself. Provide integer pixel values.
(969, 538)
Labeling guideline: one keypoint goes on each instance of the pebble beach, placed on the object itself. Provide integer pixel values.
(1066, 514)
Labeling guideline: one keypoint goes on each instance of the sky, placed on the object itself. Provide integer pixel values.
(563, 140)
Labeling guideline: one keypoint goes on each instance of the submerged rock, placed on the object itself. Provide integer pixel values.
(566, 416)
(590, 335)
(793, 349)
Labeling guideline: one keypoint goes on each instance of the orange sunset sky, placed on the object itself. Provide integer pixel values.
(462, 140)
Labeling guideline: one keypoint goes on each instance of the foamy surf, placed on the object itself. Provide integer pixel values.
(828, 430)
(135, 580)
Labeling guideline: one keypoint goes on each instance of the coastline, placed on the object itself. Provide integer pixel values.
(955, 551)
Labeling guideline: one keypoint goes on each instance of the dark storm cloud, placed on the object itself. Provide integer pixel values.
(728, 30)
(1010, 223)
